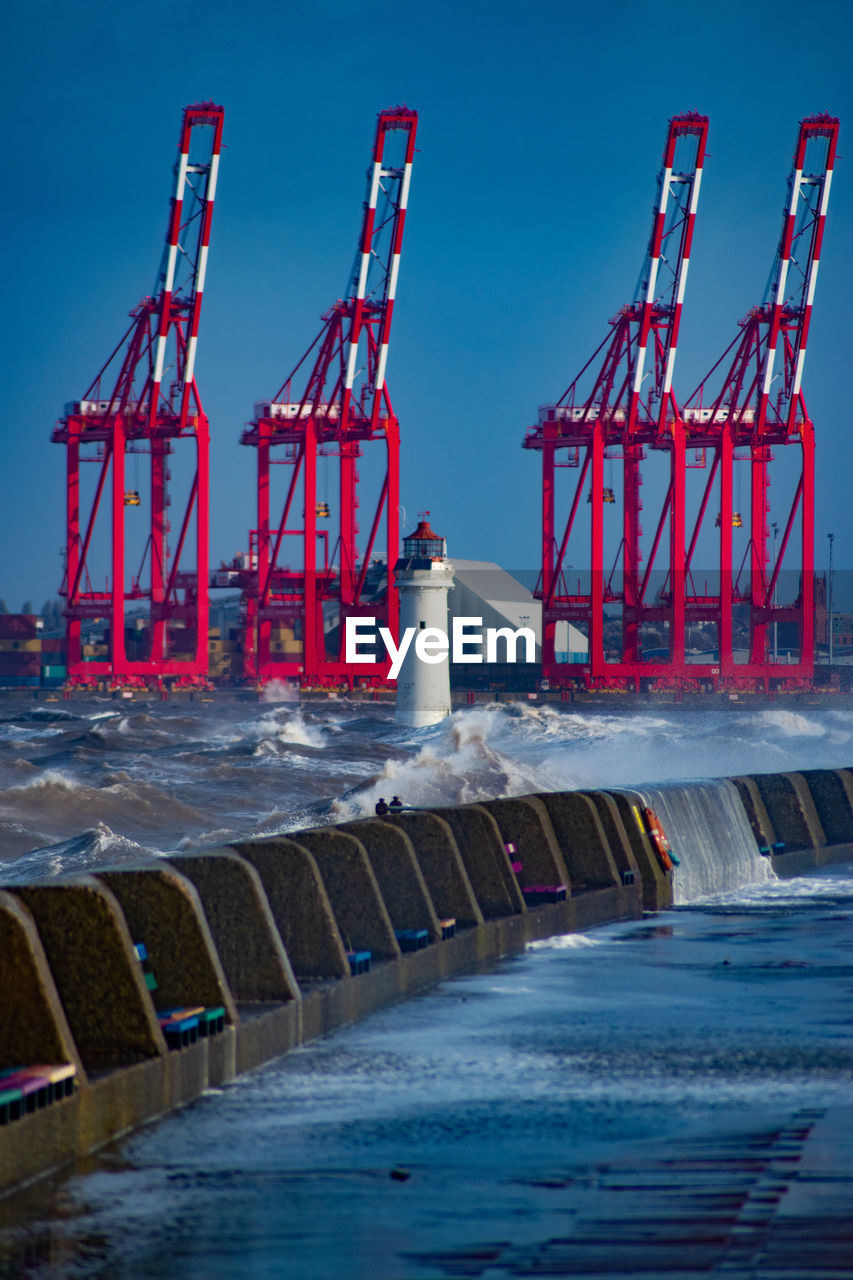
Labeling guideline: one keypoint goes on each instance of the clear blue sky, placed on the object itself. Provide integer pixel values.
(541, 131)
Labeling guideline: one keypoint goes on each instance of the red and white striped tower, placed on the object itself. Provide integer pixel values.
(341, 407)
(745, 419)
(127, 410)
(619, 405)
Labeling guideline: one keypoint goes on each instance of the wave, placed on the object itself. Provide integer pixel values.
(624, 747)
(53, 801)
(709, 831)
(93, 849)
(12, 733)
(831, 891)
(791, 723)
(10, 712)
(457, 766)
(209, 839)
(279, 691)
(565, 942)
(505, 749)
(278, 727)
(294, 731)
(181, 774)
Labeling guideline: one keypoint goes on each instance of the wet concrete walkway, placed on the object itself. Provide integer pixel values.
(765, 1205)
(658, 1099)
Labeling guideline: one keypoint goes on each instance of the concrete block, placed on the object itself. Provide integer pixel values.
(831, 792)
(485, 858)
(614, 832)
(846, 779)
(581, 839)
(89, 949)
(242, 924)
(657, 885)
(353, 891)
(400, 879)
(756, 812)
(441, 863)
(808, 809)
(300, 906)
(524, 822)
(33, 1026)
(784, 804)
(163, 910)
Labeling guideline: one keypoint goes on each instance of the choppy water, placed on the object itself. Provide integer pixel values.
(93, 782)
(664, 1097)
(669, 1096)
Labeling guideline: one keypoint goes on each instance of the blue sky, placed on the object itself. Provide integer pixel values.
(540, 136)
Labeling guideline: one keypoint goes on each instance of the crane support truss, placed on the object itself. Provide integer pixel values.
(620, 406)
(143, 399)
(750, 409)
(750, 402)
(305, 578)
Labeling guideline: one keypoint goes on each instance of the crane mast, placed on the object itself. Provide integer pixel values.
(748, 405)
(620, 405)
(144, 399)
(298, 590)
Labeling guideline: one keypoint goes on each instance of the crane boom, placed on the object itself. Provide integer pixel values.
(333, 404)
(621, 402)
(127, 409)
(742, 419)
(776, 331)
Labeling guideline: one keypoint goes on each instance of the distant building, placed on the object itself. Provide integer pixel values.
(483, 589)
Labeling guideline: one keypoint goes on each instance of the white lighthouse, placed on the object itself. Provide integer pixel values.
(424, 576)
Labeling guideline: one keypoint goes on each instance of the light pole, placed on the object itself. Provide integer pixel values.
(831, 537)
(775, 528)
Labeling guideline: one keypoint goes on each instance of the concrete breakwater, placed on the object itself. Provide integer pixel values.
(274, 931)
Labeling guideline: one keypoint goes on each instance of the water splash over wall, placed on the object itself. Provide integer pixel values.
(708, 829)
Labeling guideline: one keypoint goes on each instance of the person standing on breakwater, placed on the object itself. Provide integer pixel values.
(381, 807)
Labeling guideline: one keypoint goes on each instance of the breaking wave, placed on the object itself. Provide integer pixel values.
(177, 775)
(92, 850)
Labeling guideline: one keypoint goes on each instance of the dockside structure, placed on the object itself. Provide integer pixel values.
(621, 412)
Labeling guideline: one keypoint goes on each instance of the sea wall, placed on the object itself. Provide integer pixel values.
(156, 981)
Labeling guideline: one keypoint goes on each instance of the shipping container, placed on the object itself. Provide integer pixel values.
(21, 625)
(26, 665)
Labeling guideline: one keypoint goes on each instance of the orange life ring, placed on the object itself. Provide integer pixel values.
(658, 838)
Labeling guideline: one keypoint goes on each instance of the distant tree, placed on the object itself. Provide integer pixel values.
(3, 608)
(27, 606)
(52, 614)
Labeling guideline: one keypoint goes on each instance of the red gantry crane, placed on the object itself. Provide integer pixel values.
(620, 406)
(142, 400)
(305, 576)
(757, 415)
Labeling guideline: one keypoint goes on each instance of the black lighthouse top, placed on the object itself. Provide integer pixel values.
(424, 544)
